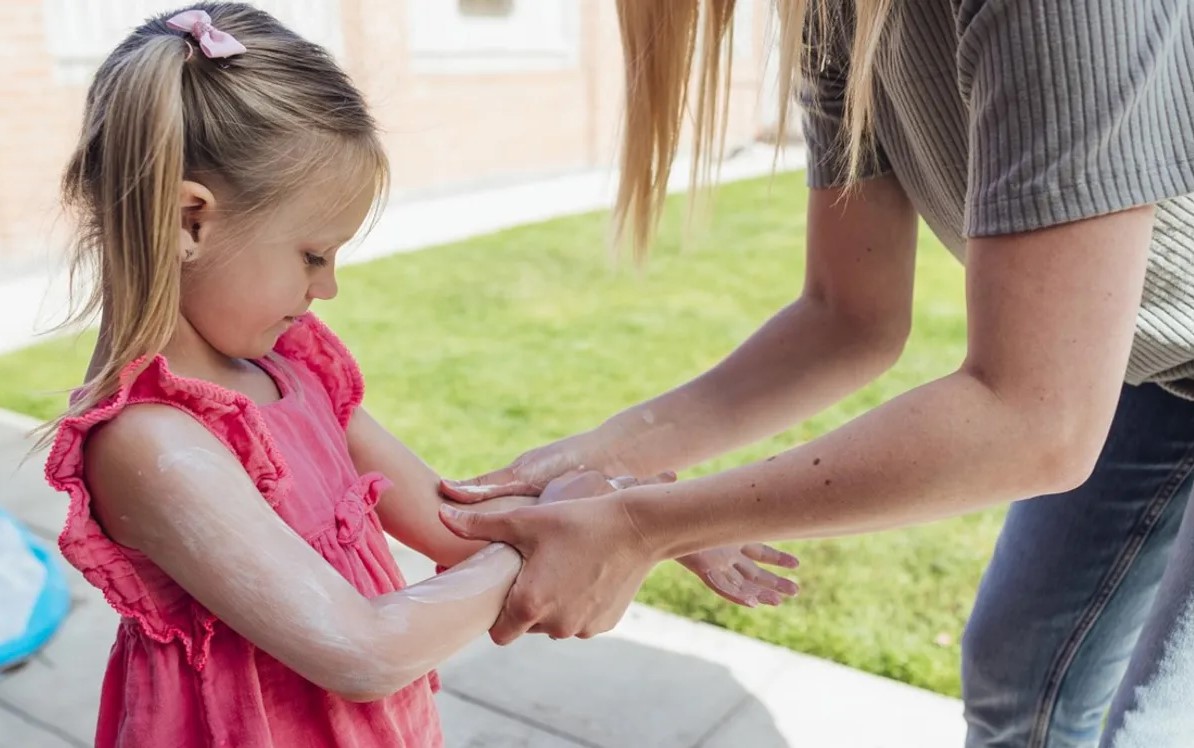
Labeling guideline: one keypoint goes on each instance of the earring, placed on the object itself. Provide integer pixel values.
(189, 254)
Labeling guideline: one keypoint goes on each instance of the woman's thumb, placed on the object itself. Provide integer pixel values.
(472, 525)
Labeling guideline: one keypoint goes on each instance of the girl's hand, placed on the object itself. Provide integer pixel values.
(581, 485)
(733, 572)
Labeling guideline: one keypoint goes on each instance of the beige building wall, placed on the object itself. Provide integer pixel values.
(467, 92)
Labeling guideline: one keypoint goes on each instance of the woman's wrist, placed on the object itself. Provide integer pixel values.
(673, 431)
(602, 448)
(635, 442)
(653, 522)
(674, 519)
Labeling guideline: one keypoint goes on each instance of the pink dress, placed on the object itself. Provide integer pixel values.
(177, 676)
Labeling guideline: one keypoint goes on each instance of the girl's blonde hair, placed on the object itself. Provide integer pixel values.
(158, 112)
(661, 38)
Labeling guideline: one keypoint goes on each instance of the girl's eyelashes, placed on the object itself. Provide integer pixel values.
(314, 260)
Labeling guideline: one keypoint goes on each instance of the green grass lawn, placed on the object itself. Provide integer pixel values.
(478, 350)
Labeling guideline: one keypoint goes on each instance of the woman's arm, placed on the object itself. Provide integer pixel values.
(409, 512)
(848, 327)
(409, 509)
(162, 484)
(1051, 314)
(1051, 319)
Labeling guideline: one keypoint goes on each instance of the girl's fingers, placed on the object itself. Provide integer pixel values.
(626, 481)
(483, 489)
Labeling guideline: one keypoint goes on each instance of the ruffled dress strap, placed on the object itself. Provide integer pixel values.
(311, 344)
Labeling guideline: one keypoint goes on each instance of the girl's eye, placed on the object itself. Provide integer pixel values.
(314, 260)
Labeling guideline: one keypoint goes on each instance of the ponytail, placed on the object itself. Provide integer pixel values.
(123, 180)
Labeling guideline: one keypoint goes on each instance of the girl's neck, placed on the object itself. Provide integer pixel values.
(189, 355)
(192, 356)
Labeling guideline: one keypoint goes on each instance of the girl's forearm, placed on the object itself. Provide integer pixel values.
(417, 628)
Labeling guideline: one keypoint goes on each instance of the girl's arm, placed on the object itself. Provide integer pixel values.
(162, 484)
(409, 510)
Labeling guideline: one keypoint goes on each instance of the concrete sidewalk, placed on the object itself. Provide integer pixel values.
(655, 681)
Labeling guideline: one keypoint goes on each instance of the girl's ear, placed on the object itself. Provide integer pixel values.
(197, 205)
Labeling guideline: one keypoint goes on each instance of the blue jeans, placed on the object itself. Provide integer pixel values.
(1083, 631)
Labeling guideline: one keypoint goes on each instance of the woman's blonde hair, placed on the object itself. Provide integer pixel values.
(158, 112)
(661, 38)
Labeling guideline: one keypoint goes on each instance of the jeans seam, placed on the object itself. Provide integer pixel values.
(1065, 657)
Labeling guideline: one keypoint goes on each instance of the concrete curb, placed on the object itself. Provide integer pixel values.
(13, 419)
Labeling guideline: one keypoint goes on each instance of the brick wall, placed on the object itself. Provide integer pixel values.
(38, 125)
(444, 130)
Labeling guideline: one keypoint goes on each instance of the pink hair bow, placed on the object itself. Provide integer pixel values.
(212, 41)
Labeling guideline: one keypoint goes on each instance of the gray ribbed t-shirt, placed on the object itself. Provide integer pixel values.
(999, 116)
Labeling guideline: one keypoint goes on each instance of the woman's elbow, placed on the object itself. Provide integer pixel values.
(880, 339)
(1049, 440)
(1064, 458)
(890, 341)
(1062, 469)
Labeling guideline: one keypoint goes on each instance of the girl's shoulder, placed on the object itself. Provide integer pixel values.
(152, 415)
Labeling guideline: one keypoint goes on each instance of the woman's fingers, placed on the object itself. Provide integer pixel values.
(772, 588)
(730, 584)
(765, 554)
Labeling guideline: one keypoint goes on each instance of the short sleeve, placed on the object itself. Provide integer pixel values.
(822, 98)
(1078, 108)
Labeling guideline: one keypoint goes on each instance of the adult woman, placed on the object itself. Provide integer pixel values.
(1051, 147)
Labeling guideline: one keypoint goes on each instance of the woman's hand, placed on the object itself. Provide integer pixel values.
(598, 550)
(584, 560)
(733, 572)
(531, 472)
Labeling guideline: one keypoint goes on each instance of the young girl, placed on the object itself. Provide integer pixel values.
(228, 494)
